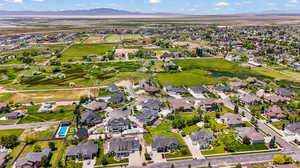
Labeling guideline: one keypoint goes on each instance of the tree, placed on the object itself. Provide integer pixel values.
(236, 109)
(45, 162)
(10, 141)
(238, 166)
(37, 148)
(209, 165)
(246, 140)
(104, 160)
(52, 146)
(147, 156)
(189, 166)
(29, 139)
(282, 159)
(173, 166)
(273, 142)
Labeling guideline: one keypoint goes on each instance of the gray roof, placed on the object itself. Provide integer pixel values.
(152, 105)
(294, 127)
(124, 145)
(33, 157)
(118, 122)
(94, 106)
(84, 148)
(91, 118)
(284, 92)
(160, 141)
(112, 88)
(222, 88)
(202, 135)
(117, 98)
(200, 89)
(147, 116)
(251, 133)
(82, 133)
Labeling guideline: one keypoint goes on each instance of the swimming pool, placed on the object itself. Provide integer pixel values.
(62, 132)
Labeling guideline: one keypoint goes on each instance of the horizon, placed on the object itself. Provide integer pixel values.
(188, 7)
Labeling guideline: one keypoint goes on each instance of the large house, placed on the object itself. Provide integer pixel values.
(117, 99)
(232, 120)
(249, 99)
(90, 119)
(148, 116)
(250, 132)
(199, 90)
(123, 147)
(273, 98)
(163, 144)
(95, 106)
(284, 92)
(294, 128)
(118, 125)
(32, 159)
(83, 151)
(275, 112)
(181, 105)
(202, 138)
(13, 115)
(211, 105)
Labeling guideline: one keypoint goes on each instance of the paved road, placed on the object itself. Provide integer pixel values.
(218, 161)
(47, 90)
(25, 126)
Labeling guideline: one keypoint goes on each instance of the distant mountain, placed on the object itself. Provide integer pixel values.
(280, 13)
(88, 12)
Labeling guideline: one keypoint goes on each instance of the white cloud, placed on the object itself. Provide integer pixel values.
(222, 4)
(15, 1)
(293, 1)
(154, 1)
(38, 0)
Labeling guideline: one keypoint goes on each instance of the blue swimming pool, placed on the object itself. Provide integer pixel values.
(63, 130)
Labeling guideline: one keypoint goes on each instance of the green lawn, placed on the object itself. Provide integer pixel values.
(76, 51)
(187, 78)
(164, 129)
(280, 125)
(49, 133)
(186, 115)
(16, 132)
(4, 97)
(57, 154)
(112, 38)
(189, 130)
(57, 115)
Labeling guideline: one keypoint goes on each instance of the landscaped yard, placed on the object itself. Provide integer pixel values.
(230, 142)
(190, 129)
(164, 129)
(57, 154)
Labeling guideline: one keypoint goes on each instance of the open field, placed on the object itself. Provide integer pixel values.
(114, 38)
(95, 39)
(16, 132)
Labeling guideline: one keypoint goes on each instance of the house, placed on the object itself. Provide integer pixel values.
(211, 105)
(237, 85)
(181, 105)
(81, 134)
(152, 104)
(148, 116)
(123, 147)
(176, 90)
(284, 92)
(112, 88)
(249, 99)
(83, 151)
(145, 83)
(202, 138)
(222, 88)
(163, 144)
(95, 106)
(273, 98)
(199, 90)
(13, 116)
(250, 132)
(118, 125)
(232, 120)
(294, 128)
(3, 106)
(275, 112)
(152, 90)
(90, 119)
(3, 160)
(32, 159)
(117, 99)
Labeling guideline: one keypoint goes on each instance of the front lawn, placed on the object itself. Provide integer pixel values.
(189, 130)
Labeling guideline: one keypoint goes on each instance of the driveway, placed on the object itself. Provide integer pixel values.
(195, 150)
(89, 163)
(136, 159)
(157, 157)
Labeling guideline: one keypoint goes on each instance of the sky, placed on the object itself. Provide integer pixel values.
(198, 7)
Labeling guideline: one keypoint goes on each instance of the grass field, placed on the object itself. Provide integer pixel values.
(189, 130)
(164, 129)
(187, 78)
(114, 38)
(16, 132)
(76, 51)
(57, 115)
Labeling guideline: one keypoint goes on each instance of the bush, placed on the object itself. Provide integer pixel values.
(282, 159)
(10, 141)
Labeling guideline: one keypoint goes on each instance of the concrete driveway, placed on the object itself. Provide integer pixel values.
(157, 157)
(89, 163)
(136, 159)
(195, 150)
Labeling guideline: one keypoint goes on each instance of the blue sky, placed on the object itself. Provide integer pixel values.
(173, 6)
